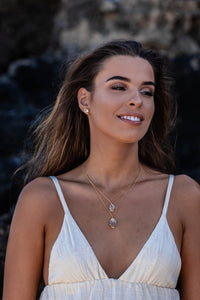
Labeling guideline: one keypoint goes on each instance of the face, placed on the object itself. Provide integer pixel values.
(121, 105)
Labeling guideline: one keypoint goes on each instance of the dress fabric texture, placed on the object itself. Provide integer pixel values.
(76, 274)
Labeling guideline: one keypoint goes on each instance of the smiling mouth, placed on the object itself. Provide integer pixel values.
(133, 118)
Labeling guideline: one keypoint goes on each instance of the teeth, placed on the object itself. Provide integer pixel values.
(132, 118)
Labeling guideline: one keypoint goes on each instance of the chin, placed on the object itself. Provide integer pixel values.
(129, 140)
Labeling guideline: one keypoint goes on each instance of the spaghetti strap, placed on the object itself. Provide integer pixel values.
(167, 197)
(60, 193)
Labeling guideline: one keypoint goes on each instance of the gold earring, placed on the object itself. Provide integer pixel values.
(86, 110)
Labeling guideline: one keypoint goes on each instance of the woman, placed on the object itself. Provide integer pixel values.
(112, 224)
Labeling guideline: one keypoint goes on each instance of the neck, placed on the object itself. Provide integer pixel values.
(112, 164)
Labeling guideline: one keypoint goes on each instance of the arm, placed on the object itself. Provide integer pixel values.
(190, 253)
(24, 257)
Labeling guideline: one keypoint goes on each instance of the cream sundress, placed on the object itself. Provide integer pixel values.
(76, 274)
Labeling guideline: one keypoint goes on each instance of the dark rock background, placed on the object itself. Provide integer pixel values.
(25, 28)
(37, 38)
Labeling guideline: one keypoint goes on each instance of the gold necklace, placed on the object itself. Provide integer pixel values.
(112, 208)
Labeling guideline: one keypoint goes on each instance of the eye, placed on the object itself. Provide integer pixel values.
(118, 87)
(147, 92)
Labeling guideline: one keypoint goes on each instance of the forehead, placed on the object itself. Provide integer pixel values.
(127, 66)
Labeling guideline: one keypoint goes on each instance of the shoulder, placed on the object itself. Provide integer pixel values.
(38, 198)
(187, 197)
(186, 188)
(40, 185)
(38, 190)
(186, 193)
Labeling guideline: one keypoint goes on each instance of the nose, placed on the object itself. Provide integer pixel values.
(135, 99)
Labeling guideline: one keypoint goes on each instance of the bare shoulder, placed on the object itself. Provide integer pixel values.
(38, 198)
(186, 192)
(25, 249)
(187, 188)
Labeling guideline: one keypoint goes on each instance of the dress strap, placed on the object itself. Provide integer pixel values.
(167, 197)
(60, 193)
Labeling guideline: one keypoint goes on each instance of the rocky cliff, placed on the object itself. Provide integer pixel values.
(33, 27)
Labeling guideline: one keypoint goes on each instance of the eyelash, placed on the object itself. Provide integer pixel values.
(147, 93)
(123, 88)
(118, 87)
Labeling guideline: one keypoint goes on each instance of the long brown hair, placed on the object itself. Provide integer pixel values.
(62, 139)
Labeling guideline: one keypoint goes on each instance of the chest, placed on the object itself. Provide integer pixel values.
(111, 256)
(112, 249)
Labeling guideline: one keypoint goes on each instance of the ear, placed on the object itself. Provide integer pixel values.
(83, 97)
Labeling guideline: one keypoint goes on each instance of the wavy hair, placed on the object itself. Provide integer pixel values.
(62, 139)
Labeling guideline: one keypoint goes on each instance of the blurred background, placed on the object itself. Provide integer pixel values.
(38, 37)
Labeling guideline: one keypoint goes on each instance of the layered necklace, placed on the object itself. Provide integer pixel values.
(111, 209)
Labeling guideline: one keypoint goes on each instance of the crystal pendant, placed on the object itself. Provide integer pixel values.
(113, 223)
(112, 207)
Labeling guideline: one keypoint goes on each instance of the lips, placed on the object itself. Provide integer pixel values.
(134, 117)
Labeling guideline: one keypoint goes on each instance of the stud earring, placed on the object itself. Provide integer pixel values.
(86, 110)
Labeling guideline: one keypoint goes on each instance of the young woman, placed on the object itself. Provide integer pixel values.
(111, 223)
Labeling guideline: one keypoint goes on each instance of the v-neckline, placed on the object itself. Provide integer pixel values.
(94, 255)
(163, 214)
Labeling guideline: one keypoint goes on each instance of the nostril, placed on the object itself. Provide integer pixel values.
(131, 104)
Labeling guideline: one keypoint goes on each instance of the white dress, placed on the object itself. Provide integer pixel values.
(76, 274)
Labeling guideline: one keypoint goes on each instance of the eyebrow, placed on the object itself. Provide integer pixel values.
(128, 80)
(119, 78)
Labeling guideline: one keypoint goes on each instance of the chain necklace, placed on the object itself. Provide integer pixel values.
(112, 208)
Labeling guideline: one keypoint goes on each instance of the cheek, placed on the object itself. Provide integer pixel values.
(102, 102)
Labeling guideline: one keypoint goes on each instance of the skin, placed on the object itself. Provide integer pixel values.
(112, 164)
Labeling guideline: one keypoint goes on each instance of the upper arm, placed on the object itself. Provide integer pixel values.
(24, 257)
(190, 251)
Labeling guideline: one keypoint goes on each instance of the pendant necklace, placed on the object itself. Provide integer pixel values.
(112, 208)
